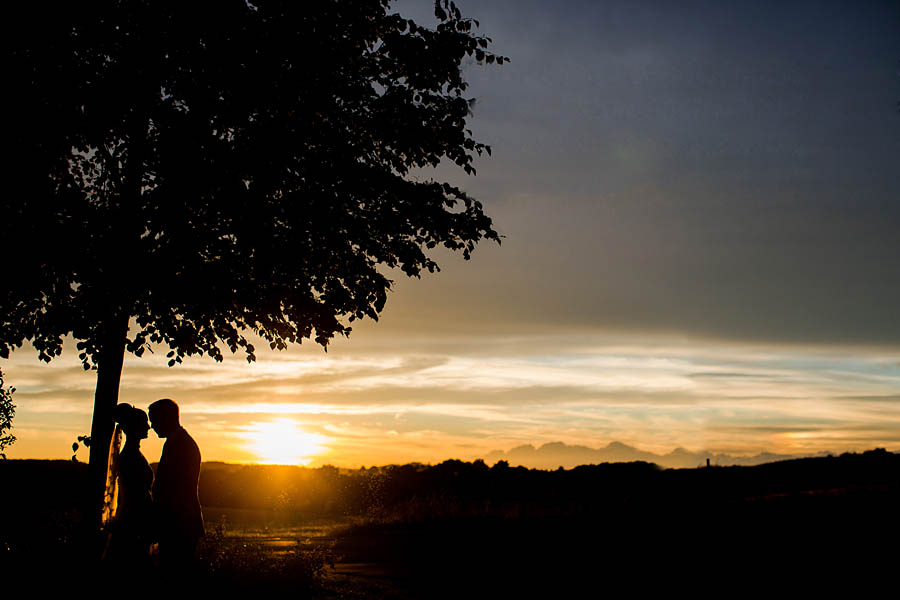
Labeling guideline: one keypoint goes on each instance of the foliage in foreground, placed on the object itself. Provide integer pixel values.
(7, 412)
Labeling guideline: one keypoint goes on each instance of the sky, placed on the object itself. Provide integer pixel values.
(700, 204)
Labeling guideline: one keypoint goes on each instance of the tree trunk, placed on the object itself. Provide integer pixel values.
(112, 347)
(106, 396)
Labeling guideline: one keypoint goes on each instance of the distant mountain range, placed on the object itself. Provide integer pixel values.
(556, 454)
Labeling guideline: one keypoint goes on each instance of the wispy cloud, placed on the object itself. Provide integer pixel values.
(396, 404)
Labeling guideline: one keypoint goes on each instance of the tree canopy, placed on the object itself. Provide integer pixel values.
(204, 169)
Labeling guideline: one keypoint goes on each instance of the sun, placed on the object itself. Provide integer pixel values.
(283, 442)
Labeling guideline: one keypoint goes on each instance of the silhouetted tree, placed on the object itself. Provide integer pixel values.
(7, 411)
(185, 172)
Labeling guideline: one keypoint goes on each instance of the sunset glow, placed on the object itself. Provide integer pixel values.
(282, 442)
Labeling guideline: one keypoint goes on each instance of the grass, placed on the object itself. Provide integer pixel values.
(248, 562)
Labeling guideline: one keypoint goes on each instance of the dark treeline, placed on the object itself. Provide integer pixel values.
(458, 488)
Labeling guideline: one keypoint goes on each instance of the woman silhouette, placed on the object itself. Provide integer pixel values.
(130, 536)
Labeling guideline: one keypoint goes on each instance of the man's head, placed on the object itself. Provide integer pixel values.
(164, 417)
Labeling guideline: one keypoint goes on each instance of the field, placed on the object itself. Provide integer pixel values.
(467, 530)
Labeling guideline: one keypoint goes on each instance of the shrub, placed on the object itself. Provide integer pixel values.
(7, 411)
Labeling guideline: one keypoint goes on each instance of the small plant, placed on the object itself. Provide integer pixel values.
(7, 412)
(84, 439)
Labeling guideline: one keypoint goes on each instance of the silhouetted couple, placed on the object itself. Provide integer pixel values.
(165, 510)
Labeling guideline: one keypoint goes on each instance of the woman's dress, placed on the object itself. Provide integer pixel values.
(132, 527)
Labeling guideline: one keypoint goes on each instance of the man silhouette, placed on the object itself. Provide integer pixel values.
(177, 506)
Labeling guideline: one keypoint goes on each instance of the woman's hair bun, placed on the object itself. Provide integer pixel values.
(124, 413)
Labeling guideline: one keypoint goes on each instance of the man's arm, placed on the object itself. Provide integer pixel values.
(162, 486)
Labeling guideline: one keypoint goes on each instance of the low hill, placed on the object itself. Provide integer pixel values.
(559, 454)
